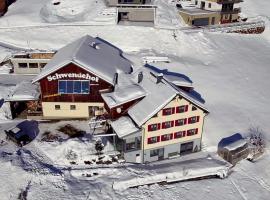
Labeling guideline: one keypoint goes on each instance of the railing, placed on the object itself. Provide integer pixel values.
(234, 11)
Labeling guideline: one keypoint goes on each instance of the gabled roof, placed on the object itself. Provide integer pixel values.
(126, 90)
(158, 96)
(124, 127)
(93, 55)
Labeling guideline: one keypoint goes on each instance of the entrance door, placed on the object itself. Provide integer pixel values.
(161, 154)
(186, 147)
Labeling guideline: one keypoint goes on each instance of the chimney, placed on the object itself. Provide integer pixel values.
(94, 45)
(115, 79)
(140, 77)
(159, 78)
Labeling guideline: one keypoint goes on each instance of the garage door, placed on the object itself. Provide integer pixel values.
(200, 22)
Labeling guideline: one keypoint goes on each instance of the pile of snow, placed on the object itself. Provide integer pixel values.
(69, 11)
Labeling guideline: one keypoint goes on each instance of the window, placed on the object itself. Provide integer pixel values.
(192, 132)
(42, 65)
(167, 137)
(181, 122)
(153, 127)
(72, 107)
(33, 65)
(130, 146)
(209, 5)
(181, 109)
(194, 108)
(154, 152)
(22, 65)
(167, 124)
(73, 87)
(196, 2)
(153, 140)
(168, 111)
(179, 134)
(57, 107)
(193, 120)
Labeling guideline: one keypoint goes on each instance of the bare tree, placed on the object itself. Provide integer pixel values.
(256, 142)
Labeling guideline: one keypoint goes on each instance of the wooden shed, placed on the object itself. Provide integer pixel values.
(233, 148)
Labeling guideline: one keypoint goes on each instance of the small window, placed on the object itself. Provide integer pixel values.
(22, 65)
(72, 107)
(180, 122)
(194, 108)
(33, 65)
(209, 5)
(167, 124)
(196, 2)
(156, 115)
(181, 109)
(179, 134)
(153, 127)
(166, 137)
(57, 107)
(193, 120)
(153, 140)
(192, 132)
(168, 111)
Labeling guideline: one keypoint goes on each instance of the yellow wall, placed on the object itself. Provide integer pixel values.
(160, 118)
(82, 110)
(188, 18)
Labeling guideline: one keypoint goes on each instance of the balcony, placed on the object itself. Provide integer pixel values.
(233, 11)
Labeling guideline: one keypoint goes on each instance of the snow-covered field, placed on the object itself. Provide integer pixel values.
(229, 71)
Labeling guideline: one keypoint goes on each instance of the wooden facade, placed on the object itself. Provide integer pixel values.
(49, 89)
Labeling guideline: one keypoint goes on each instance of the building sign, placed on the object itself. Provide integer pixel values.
(57, 76)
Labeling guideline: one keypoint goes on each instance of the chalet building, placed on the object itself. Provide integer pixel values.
(134, 10)
(71, 82)
(209, 12)
(152, 118)
(30, 62)
(150, 115)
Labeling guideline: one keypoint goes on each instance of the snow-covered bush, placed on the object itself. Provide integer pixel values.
(71, 155)
(99, 146)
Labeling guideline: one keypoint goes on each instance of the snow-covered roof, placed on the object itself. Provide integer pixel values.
(158, 96)
(236, 145)
(93, 55)
(232, 142)
(124, 126)
(24, 91)
(126, 90)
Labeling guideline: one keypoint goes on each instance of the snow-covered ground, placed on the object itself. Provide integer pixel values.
(229, 71)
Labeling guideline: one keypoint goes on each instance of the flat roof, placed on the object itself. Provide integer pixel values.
(196, 11)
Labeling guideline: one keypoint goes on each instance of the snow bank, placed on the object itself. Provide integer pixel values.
(69, 11)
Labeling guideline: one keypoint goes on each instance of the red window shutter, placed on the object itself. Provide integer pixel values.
(172, 123)
(149, 128)
(173, 110)
(185, 121)
(196, 132)
(177, 109)
(189, 120)
(171, 136)
(158, 138)
(163, 125)
(164, 112)
(184, 133)
(198, 118)
(175, 135)
(149, 141)
(176, 123)
(186, 108)
(158, 126)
